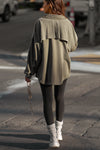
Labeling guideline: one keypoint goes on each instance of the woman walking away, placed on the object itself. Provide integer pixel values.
(48, 58)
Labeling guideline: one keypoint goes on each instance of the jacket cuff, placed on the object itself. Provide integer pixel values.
(28, 76)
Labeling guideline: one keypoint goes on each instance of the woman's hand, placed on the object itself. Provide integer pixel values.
(27, 79)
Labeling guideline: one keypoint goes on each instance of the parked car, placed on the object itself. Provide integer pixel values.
(7, 8)
(80, 8)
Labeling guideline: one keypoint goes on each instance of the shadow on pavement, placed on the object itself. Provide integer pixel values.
(44, 137)
(27, 141)
(41, 141)
(23, 145)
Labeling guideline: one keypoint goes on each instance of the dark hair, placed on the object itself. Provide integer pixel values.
(58, 7)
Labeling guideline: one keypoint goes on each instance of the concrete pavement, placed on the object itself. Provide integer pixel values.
(20, 129)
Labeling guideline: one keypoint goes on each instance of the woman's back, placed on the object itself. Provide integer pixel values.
(53, 34)
(53, 26)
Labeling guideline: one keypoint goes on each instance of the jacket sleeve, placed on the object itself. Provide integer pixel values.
(73, 39)
(33, 59)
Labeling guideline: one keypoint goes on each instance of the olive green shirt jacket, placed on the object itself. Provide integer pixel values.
(48, 58)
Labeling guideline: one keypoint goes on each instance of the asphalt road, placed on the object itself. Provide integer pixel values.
(15, 35)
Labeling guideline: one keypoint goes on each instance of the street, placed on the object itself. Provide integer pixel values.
(17, 33)
(22, 125)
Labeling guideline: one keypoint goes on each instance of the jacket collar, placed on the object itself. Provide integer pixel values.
(54, 16)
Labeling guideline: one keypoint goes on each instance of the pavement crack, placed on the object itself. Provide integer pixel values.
(11, 118)
(89, 92)
(92, 125)
(39, 120)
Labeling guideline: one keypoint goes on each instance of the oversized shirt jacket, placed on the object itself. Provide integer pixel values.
(48, 57)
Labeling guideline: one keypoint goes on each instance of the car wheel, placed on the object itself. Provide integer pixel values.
(6, 15)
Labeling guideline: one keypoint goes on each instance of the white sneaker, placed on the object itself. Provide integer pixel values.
(53, 138)
(58, 129)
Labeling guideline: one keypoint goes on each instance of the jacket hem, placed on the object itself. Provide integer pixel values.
(52, 83)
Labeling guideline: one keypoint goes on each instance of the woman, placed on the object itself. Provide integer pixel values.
(48, 58)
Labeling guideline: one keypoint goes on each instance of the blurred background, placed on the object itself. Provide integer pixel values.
(18, 16)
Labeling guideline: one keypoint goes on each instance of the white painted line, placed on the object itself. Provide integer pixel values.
(16, 85)
(20, 84)
(11, 68)
(24, 54)
(80, 66)
(74, 66)
(84, 52)
(78, 74)
(75, 53)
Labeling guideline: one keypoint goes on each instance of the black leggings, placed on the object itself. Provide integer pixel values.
(49, 92)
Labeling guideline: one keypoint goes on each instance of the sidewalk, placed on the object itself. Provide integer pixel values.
(20, 130)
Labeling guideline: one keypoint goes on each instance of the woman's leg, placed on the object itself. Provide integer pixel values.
(47, 94)
(59, 97)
